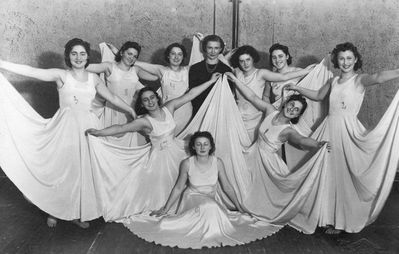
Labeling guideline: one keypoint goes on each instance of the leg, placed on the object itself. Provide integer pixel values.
(51, 221)
(81, 224)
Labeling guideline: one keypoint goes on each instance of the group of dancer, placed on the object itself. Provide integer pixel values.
(212, 173)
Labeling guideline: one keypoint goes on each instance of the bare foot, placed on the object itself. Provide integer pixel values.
(51, 221)
(330, 230)
(82, 224)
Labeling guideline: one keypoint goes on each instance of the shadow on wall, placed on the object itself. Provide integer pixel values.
(307, 60)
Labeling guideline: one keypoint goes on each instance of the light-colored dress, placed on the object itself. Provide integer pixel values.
(124, 84)
(173, 85)
(131, 180)
(249, 113)
(201, 220)
(48, 159)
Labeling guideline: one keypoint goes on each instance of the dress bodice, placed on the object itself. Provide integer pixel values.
(345, 98)
(174, 84)
(256, 85)
(162, 133)
(77, 94)
(269, 133)
(200, 180)
(123, 83)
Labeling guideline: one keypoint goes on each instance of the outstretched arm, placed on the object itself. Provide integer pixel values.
(136, 125)
(28, 71)
(305, 143)
(315, 95)
(104, 67)
(112, 98)
(378, 78)
(250, 95)
(154, 69)
(276, 76)
(177, 189)
(227, 187)
(174, 104)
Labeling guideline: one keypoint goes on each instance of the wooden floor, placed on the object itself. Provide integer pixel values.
(23, 230)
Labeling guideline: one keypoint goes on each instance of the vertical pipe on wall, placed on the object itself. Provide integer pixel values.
(236, 11)
(214, 16)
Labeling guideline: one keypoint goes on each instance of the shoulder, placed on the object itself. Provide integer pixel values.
(197, 65)
(185, 164)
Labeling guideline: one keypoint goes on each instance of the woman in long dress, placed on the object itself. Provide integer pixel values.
(122, 78)
(174, 81)
(359, 171)
(243, 61)
(133, 180)
(48, 159)
(200, 219)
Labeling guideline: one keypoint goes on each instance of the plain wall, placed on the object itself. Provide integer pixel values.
(34, 32)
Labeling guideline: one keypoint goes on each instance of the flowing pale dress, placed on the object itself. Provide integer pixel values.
(173, 85)
(132, 180)
(201, 219)
(48, 159)
(249, 113)
(124, 84)
(346, 187)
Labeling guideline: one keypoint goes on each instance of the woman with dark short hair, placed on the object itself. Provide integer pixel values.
(243, 60)
(360, 169)
(122, 78)
(48, 159)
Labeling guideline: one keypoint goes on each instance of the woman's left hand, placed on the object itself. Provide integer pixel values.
(159, 212)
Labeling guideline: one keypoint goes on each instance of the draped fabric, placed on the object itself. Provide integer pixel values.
(48, 159)
(201, 220)
(124, 84)
(314, 114)
(132, 180)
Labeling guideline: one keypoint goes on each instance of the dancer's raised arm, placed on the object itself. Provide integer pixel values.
(378, 78)
(37, 73)
(315, 95)
(250, 95)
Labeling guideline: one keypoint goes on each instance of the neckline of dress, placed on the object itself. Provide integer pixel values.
(345, 80)
(163, 120)
(86, 81)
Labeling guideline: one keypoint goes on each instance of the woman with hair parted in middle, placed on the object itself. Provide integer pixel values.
(244, 60)
(200, 219)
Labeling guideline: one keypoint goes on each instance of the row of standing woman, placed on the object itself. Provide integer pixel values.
(77, 88)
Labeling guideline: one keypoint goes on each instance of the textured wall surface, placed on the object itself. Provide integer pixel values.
(35, 31)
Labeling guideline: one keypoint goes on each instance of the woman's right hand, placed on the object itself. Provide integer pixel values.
(230, 76)
(215, 77)
(90, 132)
(291, 87)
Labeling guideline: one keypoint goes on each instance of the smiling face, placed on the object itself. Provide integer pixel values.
(176, 56)
(246, 62)
(279, 59)
(213, 49)
(202, 146)
(149, 100)
(292, 109)
(129, 56)
(346, 61)
(78, 57)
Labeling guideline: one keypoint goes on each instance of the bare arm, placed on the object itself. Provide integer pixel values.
(266, 93)
(112, 98)
(154, 69)
(315, 95)
(174, 104)
(145, 75)
(305, 143)
(276, 76)
(250, 95)
(104, 67)
(227, 187)
(378, 78)
(28, 71)
(136, 125)
(177, 189)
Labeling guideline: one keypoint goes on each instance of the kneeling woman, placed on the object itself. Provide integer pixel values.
(201, 219)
